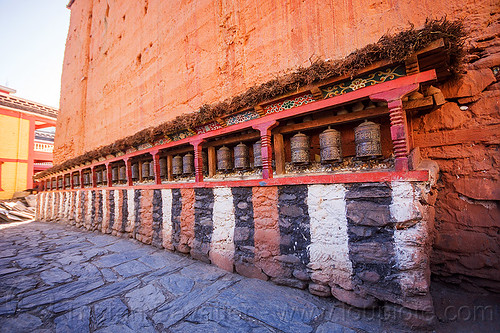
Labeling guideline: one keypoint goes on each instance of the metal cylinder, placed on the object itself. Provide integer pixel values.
(330, 146)
(241, 160)
(53, 184)
(152, 170)
(367, 137)
(257, 154)
(177, 165)
(135, 171)
(188, 164)
(75, 180)
(59, 183)
(300, 148)
(145, 170)
(99, 176)
(123, 174)
(114, 174)
(163, 167)
(224, 158)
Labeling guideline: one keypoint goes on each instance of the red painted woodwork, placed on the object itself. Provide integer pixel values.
(156, 165)
(266, 148)
(198, 159)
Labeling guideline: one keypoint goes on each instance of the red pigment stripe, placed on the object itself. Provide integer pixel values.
(267, 233)
(145, 230)
(187, 220)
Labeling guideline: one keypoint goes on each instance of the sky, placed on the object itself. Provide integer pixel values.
(32, 47)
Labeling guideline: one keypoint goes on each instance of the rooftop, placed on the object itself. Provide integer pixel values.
(27, 105)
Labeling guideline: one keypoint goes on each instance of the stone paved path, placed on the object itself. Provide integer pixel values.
(58, 278)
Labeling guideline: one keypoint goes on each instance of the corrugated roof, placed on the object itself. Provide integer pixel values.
(26, 105)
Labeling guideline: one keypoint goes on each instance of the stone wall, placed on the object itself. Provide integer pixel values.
(365, 244)
(463, 137)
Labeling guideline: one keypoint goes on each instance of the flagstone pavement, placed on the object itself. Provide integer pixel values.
(58, 278)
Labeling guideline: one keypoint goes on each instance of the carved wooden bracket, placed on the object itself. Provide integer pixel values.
(198, 159)
(266, 148)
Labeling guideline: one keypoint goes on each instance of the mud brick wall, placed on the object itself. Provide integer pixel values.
(365, 244)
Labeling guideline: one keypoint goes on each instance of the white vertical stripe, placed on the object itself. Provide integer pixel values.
(166, 209)
(53, 203)
(88, 198)
(131, 211)
(77, 206)
(329, 248)
(117, 207)
(410, 241)
(223, 223)
(60, 214)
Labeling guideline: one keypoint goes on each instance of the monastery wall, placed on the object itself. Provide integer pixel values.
(376, 250)
(134, 64)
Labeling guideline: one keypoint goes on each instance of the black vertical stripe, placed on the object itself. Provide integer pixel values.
(137, 212)
(124, 210)
(176, 216)
(244, 228)
(157, 219)
(294, 224)
(92, 209)
(371, 241)
(203, 224)
(100, 203)
(111, 210)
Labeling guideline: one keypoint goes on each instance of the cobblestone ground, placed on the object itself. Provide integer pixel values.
(59, 278)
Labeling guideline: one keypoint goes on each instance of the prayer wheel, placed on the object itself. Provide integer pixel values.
(300, 148)
(177, 165)
(145, 170)
(99, 176)
(188, 164)
(135, 171)
(59, 183)
(163, 167)
(330, 146)
(367, 138)
(75, 180)
(257, 157)
(224, 158)
(152, 170)
(241, 160)
(67, 181)
(114, 174)
(53, 184)
(123, 174)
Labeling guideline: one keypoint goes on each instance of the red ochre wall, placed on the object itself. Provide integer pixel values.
(134, 64)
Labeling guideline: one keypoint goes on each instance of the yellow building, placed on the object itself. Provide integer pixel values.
(24, 148)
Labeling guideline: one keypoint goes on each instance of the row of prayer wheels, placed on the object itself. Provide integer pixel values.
(241, 157)
(366, 137)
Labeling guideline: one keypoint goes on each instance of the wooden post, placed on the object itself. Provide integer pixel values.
(170, 175)
(399, 125)
(156, 166)
(279, 153)
(128, 171)
(71, 182)
(81, 179)
(212, 161)
(266, 148)
(198, 160)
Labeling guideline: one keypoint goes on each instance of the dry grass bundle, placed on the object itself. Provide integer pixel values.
(394, 48)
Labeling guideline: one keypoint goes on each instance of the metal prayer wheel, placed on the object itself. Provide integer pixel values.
(114, 174)
(135, 171)
(152, 170)
(300, 148)
(145, 170)
(75, 180)
(163, 167)
(123, 174)
(188, 164)
(257, 157)
(53, 184)
(59, 183)
(99, 176)
(177, 165)
(330, 146)
(67, 181)
(241, 160)
(104, 176)
(367, 137)
(224, 158)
